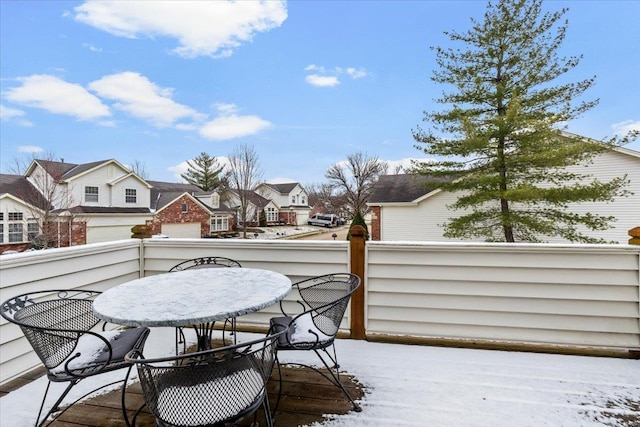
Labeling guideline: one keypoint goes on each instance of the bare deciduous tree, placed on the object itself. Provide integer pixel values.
(244, 176)
(354, 180)
(139, 169)
(50, 205)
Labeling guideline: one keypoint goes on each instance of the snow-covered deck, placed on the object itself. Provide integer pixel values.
(430, 386)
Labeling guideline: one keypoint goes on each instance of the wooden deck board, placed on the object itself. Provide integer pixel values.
(306, 398)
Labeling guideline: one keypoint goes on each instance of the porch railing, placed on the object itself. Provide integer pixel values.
(534, 297)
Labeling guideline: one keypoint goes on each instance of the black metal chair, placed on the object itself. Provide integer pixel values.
(209, 388)
(323, 302)
(61, 328)
(205, 262)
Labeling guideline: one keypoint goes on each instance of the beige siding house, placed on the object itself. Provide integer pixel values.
(403, 208)
(291, 202)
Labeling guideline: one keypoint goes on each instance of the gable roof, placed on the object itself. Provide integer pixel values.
(253, 197)
(63, 171)
(403, 188)
(165, 193)
(20, 188)
(283, 188)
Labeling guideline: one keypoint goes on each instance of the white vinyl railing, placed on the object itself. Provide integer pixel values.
(568, 295)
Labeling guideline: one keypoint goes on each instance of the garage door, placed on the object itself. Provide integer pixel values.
(189, 230)
(108, 234)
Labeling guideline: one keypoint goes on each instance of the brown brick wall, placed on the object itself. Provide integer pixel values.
(59, 235)
(375, 222)
(20, 247)
(173, 214)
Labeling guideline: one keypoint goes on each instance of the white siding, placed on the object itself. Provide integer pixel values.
(572, 295)
(109, 195)
(423, 222)
(187, 230)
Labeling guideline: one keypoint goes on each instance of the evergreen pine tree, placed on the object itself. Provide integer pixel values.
(500, 140)
(205, 172)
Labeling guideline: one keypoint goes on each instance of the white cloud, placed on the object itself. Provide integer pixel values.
(405, 164)
(356, 73)
(30, 149)
(55, 95)
(14, 115)
(91, 47)
(233, 126)
(324, 77)
(623, 128)
(143, 99)
(178, 169)
(202, 28)
(322, 81)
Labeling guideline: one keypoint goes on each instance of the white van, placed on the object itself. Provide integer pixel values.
(324, 220)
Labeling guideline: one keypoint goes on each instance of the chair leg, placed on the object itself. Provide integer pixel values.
(336, 375)
(55, 406)
(181, 339)
(275, 408)
(267, 410)
(124, 405)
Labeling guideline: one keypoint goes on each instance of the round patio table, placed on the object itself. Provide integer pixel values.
(192, 297)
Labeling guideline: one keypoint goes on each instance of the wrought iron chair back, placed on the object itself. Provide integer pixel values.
(61, 328)
(323, 300)
(208, 388)
(206, 262)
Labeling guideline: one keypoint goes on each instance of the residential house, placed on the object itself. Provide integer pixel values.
(184, 210)
(20, 207)
(291, 202)
(90, 203)
(404, 208)
(255, 204)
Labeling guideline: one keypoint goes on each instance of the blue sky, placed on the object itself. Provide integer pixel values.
(306, 83)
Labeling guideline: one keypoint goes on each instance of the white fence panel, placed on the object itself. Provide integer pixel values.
(296, 259)
(584, 295)
(96, 266)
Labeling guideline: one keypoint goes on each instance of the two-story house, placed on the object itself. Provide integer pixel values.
(291, 202)
(79, 203)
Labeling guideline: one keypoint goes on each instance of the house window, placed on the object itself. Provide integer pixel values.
(219, 223)
(185, 208)
(293, 200)
(2, 227)
(33, 229)
(91, 194)
(15, 216)
(130, 195)
(304, 200)
(15, 232)
(272, 215)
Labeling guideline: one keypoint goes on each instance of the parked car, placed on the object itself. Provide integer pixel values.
(324, 220)
(341, 221)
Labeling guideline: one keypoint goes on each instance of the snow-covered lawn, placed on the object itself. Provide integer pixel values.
(435, 386)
